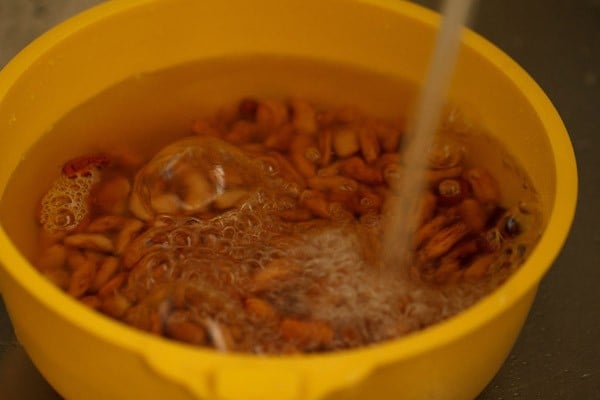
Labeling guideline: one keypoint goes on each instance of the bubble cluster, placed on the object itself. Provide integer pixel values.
(216, 260)
(65, 205)
(189, 176)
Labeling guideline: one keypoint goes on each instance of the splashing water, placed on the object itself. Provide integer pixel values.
(402, 222)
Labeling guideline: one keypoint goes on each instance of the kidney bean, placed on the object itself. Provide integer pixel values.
(316, 203)
(473, 214)
(281, 138)
(271, 114)
(311, 334)
(300, 147)
(89, 241)
(53, 257)
(480, 266)
(108, 267)
(451, 191)
(356, 168)
(247, 109)
(178, 327)
(82, 278)
(296, 215)
(277, 270)
(84, 165)
(345, 142)
(484, 186)
(369, 144)
(332, 184)
(326, 147)
(443, 240)
(260, 309)
(304, 117)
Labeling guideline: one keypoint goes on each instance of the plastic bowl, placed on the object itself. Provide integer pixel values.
(87, 356)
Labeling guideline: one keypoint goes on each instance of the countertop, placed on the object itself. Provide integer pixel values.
(557, 355)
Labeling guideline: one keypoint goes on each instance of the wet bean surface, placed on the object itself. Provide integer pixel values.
(262, 232)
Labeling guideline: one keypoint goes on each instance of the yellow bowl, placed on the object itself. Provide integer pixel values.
(87, 356)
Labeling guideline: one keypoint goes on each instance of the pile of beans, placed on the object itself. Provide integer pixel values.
(329, 165)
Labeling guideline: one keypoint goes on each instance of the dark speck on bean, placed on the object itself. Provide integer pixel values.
(512, 226)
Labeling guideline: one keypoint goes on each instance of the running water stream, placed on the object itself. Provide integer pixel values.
(399, 233)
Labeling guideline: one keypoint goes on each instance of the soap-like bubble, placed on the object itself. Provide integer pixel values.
(187, 176)
(65, 205)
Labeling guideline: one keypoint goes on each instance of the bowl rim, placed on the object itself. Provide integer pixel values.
(522, 282)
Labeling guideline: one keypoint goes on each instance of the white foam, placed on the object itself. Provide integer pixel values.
(66, 204)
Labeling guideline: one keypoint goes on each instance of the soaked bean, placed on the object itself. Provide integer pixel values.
(388, 136)
(260, 308)
(137, 208)
(230, 199)
(271, 114)
(443, 241)
(111, 196)
(83, 165)
(178, 327)
(296, 215)
(445, 154)
(92, 302)
(304, 117)
(484, 186)
(205, 128)
(141, 246)
(426, 231)
(75, 257)
(339, 212)
(300, 147)
(248, 108)
(89, 241)
(332, 169)
(58, 276)
(82, 278)
(242, 132)
(54, 257)
(369, 202)
(129, 231)
(473, 214)
(111, 287)
(447, 271)
(274, 272)
(332, 183)
(288, 172)
(369, 144)
(435, 176)
(315, 202)
(281, 138)
(451, 191)
(480, 266)
(106, 223)
(105, 272)
(326, 147)
(311, 334)
(345, 142)
(356, 168)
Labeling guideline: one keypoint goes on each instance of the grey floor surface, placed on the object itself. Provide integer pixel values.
(557, 355)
